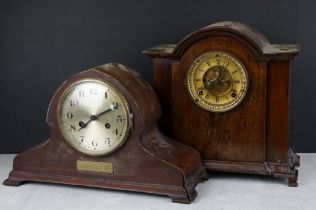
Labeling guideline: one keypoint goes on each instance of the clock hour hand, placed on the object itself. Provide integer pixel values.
(93, 118)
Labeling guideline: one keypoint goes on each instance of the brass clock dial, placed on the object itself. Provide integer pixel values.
(94, 117)
(217, 81)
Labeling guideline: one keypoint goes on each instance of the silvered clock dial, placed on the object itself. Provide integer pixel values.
(94, 117)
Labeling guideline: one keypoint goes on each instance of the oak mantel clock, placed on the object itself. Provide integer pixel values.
(224, 90)
(103, 134)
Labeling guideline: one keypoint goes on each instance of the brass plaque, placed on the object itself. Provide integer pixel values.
(102, 167)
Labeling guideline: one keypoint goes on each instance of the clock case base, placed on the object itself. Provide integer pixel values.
(287, 171)
(147, 162)
(185, 193)
(262, 144)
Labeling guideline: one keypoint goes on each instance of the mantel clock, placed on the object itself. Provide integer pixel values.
(224, 90)
(104, 134)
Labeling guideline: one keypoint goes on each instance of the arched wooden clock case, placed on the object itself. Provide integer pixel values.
(147, 161)
(253, 137)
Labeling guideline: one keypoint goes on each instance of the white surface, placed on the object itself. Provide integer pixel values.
(221, 191)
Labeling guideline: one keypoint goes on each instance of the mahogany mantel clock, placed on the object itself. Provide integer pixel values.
(103, 134)
(224, 90)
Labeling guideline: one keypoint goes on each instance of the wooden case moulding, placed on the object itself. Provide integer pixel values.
(252, 137)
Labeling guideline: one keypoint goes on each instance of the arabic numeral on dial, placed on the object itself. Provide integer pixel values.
(119, 118)
(81, 139)
(94, 144)
(69, 115)
(115, 105)
(74, 102)
(116, 131)
(72, 128)
(81, 93)
(108, 141)
(105, 94)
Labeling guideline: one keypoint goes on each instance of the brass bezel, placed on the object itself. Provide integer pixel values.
(118, 93)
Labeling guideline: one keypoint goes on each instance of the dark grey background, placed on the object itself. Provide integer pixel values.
(43, 42)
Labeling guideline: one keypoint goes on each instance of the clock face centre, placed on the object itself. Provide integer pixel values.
(94, 117)
(217, 80)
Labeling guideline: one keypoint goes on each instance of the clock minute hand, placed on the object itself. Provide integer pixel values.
(93, 118)
(102, 113)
